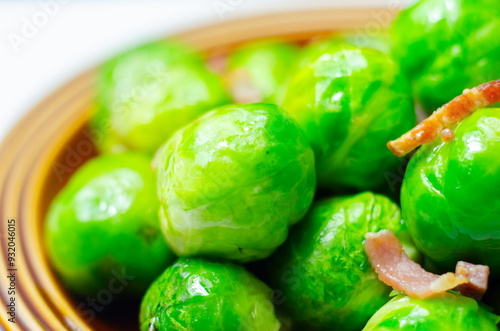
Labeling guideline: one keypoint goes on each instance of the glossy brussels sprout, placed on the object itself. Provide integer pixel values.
(104, 225)
(232, 182)
(197, 294)
(259, 71)
(446, 312)
(148, 93)
(446, 46)
(322, 269)
(450, 197)
(350, 101)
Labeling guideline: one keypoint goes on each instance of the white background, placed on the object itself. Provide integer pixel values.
(76, 35)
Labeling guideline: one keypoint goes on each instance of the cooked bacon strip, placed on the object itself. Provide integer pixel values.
(217, 63)
(447, 135)
(477, 276)
(397, 270)
(241, 87)
(450, 114)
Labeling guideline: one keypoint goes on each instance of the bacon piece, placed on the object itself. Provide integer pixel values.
(397, 270)
(447, 135)
(477, 276)
(241, 87)
(217, 63)
(450, 114)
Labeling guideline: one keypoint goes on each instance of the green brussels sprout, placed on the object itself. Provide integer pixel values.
(259, 71)
(447, 311)
(449, 195)
(326, 280)
(350, 102)
(232, 182)
(197, 294)
(446, 46)
(148, 93)
(105, 223)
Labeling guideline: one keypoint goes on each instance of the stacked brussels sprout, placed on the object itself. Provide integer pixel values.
(446, 46)
(323, 270)
(449, 194)
(194, 181)
(447, 311)
(105, 222)
(237, 167)
(350, 101)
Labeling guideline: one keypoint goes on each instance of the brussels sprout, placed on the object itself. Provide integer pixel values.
(447, 311)
(104, 224)
(232, 182)
(259, 71)
(450, 197)
(148, 93)
(350, 101)
(197, 294)
(322, 269)
(446, 46)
